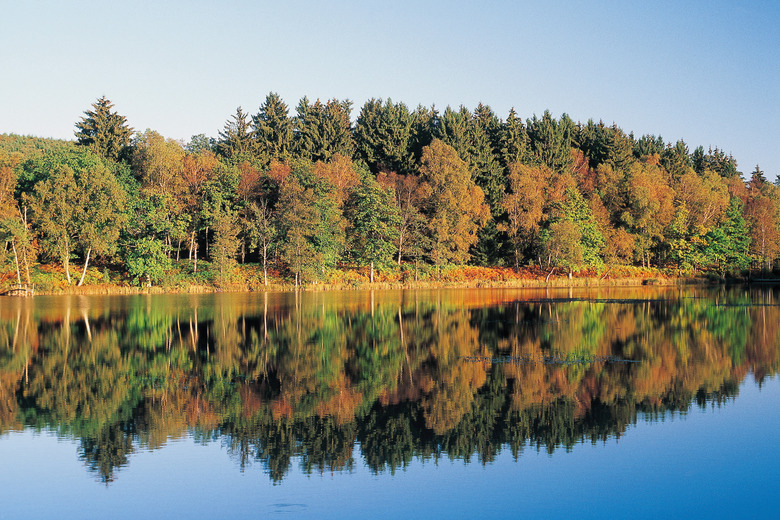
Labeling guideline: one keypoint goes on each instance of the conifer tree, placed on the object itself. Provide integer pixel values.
(235, 140)
(272, 130)
(104, 132)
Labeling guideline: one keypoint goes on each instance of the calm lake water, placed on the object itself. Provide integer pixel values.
(632, 402)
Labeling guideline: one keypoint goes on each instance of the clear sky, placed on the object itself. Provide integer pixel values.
(704, 71)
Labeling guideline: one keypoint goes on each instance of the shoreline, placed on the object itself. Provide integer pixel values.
(560, 283)
(247, 278)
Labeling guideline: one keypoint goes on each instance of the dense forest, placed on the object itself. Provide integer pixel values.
(306, 195)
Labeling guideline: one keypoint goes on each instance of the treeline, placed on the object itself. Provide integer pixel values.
(307, 193)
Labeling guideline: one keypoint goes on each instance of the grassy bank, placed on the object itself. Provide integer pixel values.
(51, 279)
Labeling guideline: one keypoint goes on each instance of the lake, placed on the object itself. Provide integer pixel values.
(586, 402)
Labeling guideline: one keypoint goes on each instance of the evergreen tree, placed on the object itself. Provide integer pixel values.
(104, 132)
(272, 130)
(322, 130)
(235, 140)
(550, 141)
(513, 140)
(648, 145)
(383, 136)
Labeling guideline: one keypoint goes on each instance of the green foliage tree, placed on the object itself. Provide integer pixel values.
(383, 134)
(590, 241)
(104, 132)
(79, 210)
(147, 259)
(375, 223)
(728, 245)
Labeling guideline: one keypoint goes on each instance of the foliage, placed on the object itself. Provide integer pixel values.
(104, 132)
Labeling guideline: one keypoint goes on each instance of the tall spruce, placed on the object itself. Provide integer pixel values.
(272, 130)
(104, 132)
(235, 140)
(383, 136)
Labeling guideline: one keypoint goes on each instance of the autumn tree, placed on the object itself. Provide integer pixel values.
(762, 213)
(299, 224)
(524, 204)
(456, 208)
(226, 243)
(104, 132)
(159, 164)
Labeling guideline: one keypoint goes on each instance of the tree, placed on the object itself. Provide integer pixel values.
(574, 209)
(762, 212)
(562, 245)
(159, 164)
(322, 130)
(263, 230)
(524, 206)
(550, 141)
(299, 221)
(147, 258)
(375, 221)
(78, 210)
(456, 207)
(225, 243)
(728, 245)
(235, 140)
(411, 196)
(104, 132)
(383, 136)
(272, 130)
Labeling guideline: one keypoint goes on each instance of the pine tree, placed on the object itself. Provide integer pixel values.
(104, 132)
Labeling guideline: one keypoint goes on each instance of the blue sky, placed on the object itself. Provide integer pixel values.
(704, 71)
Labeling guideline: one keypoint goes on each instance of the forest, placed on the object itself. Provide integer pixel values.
(313, 196)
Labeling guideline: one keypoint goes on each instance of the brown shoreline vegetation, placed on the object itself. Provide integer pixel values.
(248, 278)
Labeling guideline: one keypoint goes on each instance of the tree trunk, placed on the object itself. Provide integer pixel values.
(16, 259)
(372, 272)
(24, 248)
(265, 265)
(548, 275)
(66, 261)
(84, 272)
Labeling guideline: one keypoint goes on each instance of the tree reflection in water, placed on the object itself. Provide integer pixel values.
(307, 377)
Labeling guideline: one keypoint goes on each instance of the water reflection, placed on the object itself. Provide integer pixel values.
(402, 375)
